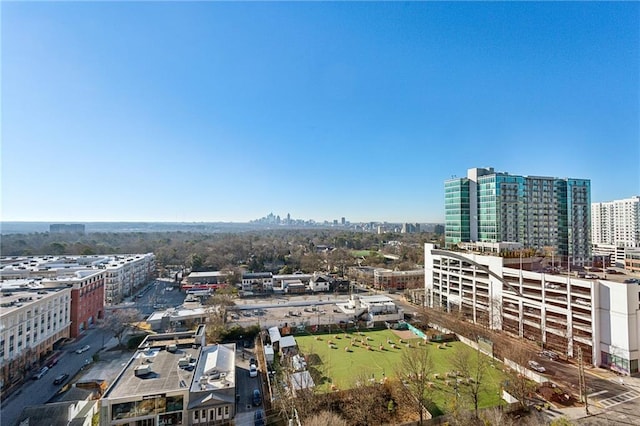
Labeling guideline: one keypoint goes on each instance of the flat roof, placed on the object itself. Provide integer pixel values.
(375, 299)
(165, 374)
(206, 274)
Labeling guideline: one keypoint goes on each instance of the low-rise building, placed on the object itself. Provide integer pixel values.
(386, 279)
(319, 283)
(212, 396)
(154, 387)
(257, 281)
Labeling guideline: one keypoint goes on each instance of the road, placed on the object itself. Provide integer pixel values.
(36, 392)
(154, 296)
(245, 386)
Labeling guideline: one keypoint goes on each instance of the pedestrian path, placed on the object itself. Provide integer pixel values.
(619, 399)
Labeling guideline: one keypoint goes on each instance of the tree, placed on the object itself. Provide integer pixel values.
(119, 321)
(472, 366)
(216, 325)
(414, 370)
(517, 383)
(325, 418)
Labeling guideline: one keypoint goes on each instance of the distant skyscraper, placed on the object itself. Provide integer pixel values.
(616, 222)
(536, 211)
(343, 220)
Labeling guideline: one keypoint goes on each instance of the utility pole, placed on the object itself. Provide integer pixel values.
(582, 382)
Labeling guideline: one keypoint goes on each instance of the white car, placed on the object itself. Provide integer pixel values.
(535, 366)
(253, 370)
(83, 349)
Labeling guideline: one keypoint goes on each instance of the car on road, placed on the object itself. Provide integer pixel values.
(60, 379)
(537, 367)
(40, 373)
(258, 418)
(253, 371)
(83, 349)
(257, 398)
(549, 354)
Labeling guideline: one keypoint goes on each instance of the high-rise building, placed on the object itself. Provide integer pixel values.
(538, 212)
(616, 222)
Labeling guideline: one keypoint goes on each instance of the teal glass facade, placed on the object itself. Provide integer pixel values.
(536, 211)
(457, 211)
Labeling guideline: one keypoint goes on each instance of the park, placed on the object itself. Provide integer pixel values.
(342, 359)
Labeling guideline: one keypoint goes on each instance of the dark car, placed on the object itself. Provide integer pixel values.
(257, 399)
(258, 418)
(60, 379)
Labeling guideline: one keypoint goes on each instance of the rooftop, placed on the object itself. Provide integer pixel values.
(216, 368)
(170, 368)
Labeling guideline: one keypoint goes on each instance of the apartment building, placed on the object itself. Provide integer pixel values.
(539, 212)
(122, 273)
(386, 279)
(87, 297)
(32, 319)
(126, 273)
(560, 312)
(616, 223)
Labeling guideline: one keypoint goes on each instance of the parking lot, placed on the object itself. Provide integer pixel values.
(292, 311)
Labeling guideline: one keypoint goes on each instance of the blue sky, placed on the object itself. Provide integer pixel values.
(210, 111)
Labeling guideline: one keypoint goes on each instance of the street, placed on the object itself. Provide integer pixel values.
(36, 392)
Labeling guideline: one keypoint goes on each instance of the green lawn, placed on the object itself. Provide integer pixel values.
(344, 368)
(360, 253)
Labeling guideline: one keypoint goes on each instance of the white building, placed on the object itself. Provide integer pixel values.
(124, 273)
(31, 321)
(616, 223)
(559, 312)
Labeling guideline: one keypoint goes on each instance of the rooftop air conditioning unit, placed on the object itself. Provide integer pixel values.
(142, 370)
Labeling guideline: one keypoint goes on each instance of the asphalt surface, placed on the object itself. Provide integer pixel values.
(36, 392)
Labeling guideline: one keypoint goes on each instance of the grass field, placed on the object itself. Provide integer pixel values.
(345, 367)
(360, 253)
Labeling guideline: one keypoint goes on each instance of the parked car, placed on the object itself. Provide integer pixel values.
(257, 399)
(83, 349)
(537, 367)
(40, 373)
(60, 379)
(253, 371)
(258, 418)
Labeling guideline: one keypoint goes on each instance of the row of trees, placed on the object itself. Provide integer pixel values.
(269, 250)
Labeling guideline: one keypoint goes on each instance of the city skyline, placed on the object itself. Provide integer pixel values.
(220, 112)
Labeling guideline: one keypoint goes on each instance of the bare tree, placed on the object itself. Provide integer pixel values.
(414, 370)
(517, 384)
(366, 403)
(119, 322)
(471, 372)
(325, 418)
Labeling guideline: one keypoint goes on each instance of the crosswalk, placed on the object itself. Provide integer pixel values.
(618, 399)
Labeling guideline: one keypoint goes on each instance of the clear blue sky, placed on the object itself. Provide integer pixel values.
(227, 111)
